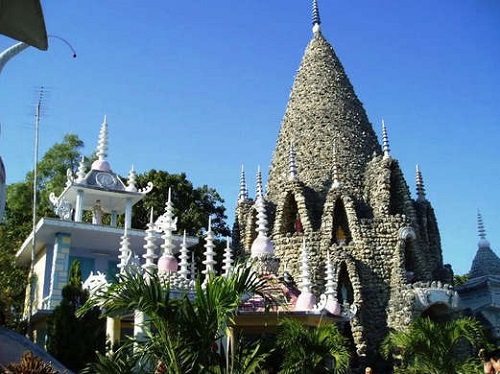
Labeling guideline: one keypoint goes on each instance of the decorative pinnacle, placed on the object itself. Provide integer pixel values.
(420, 186)
(480, 226)
(330, 286)
(316, 21)
(228, 259)
(385, 141)
(259, 191)
(80, 175)
(184, 265)
(102, 144)
(150, 247)
(132, 177)
(336, 183)
(243, 195)
(305, 281)
(483, 242)
(209, 251)
(292, 164)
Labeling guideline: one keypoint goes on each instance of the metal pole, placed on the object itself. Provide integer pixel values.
(35, 189)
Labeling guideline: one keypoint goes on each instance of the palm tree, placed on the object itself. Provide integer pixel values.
(320, 349)
(184, 332)
(433, 347)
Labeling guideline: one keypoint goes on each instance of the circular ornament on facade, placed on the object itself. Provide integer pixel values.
(105, 180)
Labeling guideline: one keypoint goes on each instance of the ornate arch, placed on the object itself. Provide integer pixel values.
(291, 214)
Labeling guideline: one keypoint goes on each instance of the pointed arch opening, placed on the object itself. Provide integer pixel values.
(291, 221)
(345, 291)
(341, 234)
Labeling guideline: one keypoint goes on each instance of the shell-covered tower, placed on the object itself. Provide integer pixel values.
(331, 181)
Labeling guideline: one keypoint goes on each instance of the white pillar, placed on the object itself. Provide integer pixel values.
(114, 218)
(79, 206)
(128, 213)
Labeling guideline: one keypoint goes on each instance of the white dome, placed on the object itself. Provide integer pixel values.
(262, 245)
(101, 165)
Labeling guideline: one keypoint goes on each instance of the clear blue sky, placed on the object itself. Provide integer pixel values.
(201, 87)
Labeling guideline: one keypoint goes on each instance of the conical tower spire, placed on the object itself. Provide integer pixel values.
(243, 195)
(167, 224)
(262, 245)
(292, 164)
(316, 21)
(420, 185)
(305, 274)
(385, 142)
(323, 110)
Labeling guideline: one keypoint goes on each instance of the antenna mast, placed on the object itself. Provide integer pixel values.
(35, 190)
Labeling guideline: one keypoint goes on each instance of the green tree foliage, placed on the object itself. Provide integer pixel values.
(17, 220)
(319, 349)
(192, 206)
(187, 328)
(458, 280)
(429, 347)
(75, 341)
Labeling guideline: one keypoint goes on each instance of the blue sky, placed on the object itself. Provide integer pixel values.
(201, 87)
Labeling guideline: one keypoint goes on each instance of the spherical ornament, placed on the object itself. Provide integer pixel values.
(167, 264)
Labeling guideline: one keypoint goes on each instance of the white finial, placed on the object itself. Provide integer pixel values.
(127, 261)
(483, 242)
(292, 165)
(102, 144)
(80, 175)
(243, 195)
(228, 259)
(150, 247)
(167, 224)
(184, 265)
(330, 286)
(316, 21)
(259, 190)
(305, 275)
(420, 185)
(209, 261)
(336, 183)
(385, 142)
(132, 177)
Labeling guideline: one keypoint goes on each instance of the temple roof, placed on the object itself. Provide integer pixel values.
(323, 112)
(486, 262)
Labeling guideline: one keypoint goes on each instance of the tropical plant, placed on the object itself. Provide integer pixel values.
(433, 347)
(184, 331)
(318, 349)
(29, 364)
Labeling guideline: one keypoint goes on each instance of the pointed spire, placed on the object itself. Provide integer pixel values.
(102, 144)
(385, 141)
(305, 275)
(125, 253)
(316, 21)
(243, 195)
(330, 286)
(132, 177)
(259, 190)
(228, 259)
(336, 182)
(420, 186)
(167, 224)
(483, 242)
(150, 247)
(292, 164)
(209, 261)
(80, 175)
(184, 264)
